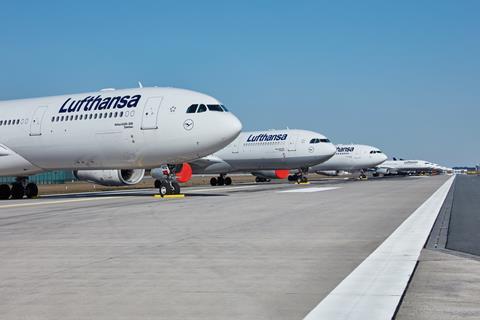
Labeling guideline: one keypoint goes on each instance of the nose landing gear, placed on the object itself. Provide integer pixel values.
(300, 177)
(169, 184)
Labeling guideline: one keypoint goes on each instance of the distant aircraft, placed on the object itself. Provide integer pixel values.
(408, 167)
(124, 131)
(353, 158)
(275, 151)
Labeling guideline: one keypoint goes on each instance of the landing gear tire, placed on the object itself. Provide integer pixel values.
(18, 191)
(213, 182)
(157, 184)
(31, 190)
(4, 192)
(221, 181)
(228, 181)
(176, 187)
(164, 188)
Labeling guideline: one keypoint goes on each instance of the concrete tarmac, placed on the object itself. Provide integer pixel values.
(238, 252)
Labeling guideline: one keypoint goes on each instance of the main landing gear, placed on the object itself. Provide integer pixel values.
(363, 176)
(300, 176)
(19, 189)
(168, 185)
(221, 180)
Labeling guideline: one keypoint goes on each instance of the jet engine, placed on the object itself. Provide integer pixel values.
(124, 177)
(384, 171)
(272, 174)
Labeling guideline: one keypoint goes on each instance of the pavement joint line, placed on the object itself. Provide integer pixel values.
(307, 190)
(26, 204)
(374, 289)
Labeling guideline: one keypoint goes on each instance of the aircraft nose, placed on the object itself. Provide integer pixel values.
(230, 125)
(327, 151)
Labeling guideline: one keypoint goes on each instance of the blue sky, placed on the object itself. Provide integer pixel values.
(403, 75)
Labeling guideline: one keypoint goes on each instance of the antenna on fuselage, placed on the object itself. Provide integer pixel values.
(140, 85)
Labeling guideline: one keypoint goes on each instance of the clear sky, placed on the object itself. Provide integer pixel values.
(400, 75)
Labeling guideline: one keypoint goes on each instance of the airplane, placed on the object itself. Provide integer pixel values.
(110, 135)
(407, 167)
(348, 157)
(275, 151)
(351, 158)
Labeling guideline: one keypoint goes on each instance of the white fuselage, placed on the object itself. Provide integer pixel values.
(405, 166)
(352, 157)
(267, 150)
(115, 129)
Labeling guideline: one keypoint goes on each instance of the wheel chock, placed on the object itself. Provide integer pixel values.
(169, 196)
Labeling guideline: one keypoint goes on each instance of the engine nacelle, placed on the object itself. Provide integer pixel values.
(123, 177)
(272, 174)
(383, 171)
(183, 172)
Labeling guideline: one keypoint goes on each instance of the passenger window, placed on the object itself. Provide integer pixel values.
(215, 107)
(100, 116)
(121, 114)
(116, 114)
(201, 108)
(110, 115)
(192, 108)
(95, 116)
(53, 119)
(81, 116)
(58, 118)
(91, 115)
(76, 117)
(105, 115)
(61, 119)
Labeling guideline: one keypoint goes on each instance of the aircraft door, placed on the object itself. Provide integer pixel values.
(235, 146)
(292, 143)
(36, 122)
(150, 113)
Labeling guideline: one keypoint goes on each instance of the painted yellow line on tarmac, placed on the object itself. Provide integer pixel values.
(41, 203)
(169, 196)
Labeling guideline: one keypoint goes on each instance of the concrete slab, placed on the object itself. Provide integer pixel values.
(444, 287)
(250, 253)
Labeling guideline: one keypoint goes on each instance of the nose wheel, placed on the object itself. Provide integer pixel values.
(169, 184)
(300, 177)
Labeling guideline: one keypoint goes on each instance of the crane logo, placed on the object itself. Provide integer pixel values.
(188, 124)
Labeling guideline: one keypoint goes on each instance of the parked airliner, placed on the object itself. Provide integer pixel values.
(255, 152)
(124, 131)
(352, 158)
(408, 167)
(348, 157)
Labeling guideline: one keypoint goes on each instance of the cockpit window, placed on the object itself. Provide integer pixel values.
(224, 108)
(325, 140)
(375, 151)
(202, 108)
(215, 107)
(192, 108)
(315, 141)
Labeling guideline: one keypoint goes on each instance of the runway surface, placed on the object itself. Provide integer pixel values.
(238, 252)
(464, 226)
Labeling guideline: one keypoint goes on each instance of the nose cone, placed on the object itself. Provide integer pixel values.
(326, 151)
(382, 157)
(223, 129)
